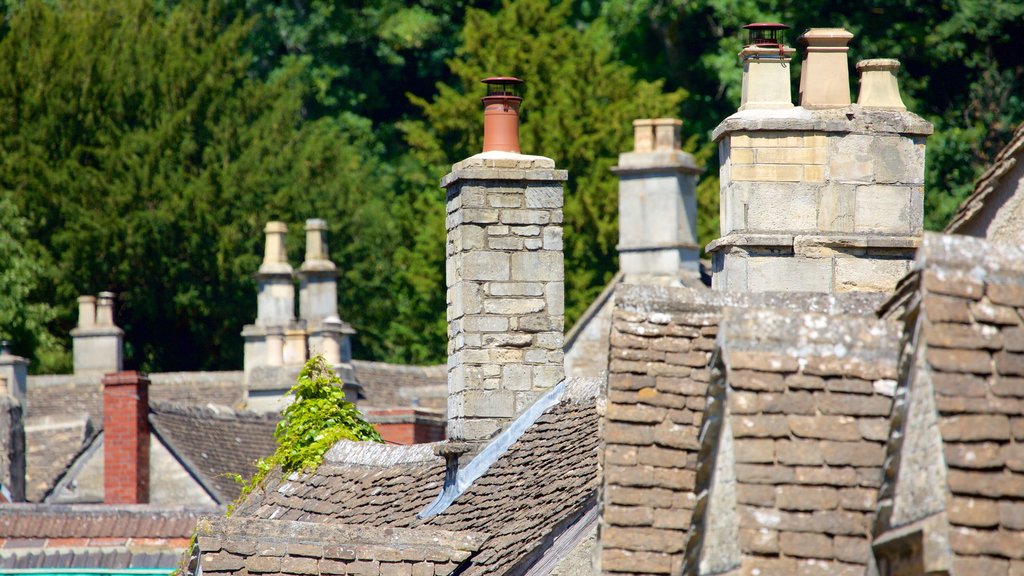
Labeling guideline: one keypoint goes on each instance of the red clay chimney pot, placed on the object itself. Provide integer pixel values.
(501, 114)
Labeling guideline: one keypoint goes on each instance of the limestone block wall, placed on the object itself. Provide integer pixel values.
(505, 281)
(823, 200)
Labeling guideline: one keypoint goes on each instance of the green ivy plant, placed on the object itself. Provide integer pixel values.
(318, 417)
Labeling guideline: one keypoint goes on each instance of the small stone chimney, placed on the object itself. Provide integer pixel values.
(13, 373)
(766, 83)
(126, 438)
(505, 281)
(657, 203)
(275, 302)
(823, 199)
(96, 342)
(318, 298)
(824, 76)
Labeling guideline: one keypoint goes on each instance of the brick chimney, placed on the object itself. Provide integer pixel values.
(657, 203)
(275, 300)
(126, 438)
(505, 283)
(826, 200)
(96, 342)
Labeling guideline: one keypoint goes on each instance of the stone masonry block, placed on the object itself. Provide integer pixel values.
(790, 155)
(875, 274)
(537, 266)
(464, 299)
(485, 265)
(524, 230)
(768, 173)
(836, 208)
(897, 160)
(889, 209)
(515, 306)
(509, 216)
(488, 403)
(850, 159)
(544, 197)
(504, 200)
(788, 274)
(771, 208)
(505, 243)
(515, 289)
(517, 377)
(554, 295)
(485, 324)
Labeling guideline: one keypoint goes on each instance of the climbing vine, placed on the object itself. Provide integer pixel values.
(318, 417)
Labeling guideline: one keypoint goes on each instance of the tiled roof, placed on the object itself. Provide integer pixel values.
(1005, 161)
(390, 385)
(216, 443)
(661, 343)
(51, 446)
(546, 480)
(35, 536)
(955, 485)
(795, 429)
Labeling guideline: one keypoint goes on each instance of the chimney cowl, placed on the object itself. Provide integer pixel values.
(501, 113)
(765, 59)
(765, 34)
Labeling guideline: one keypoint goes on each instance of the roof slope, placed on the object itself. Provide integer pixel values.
(661, 344)
(983, 197)
(546, 480)
(954, 492)
(216, 443)
(793, 443)
(389, 385)
(52, 444)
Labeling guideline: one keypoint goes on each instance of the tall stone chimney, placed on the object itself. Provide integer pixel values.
(505, 280)
(125, 438)
(827, 199)
(657, 203)
(96, 343)
(318, 298)
(275, 301)
(13, 377)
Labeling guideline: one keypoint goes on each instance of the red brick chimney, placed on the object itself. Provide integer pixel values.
(125, 438)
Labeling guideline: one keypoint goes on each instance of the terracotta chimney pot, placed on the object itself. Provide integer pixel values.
(501, 114)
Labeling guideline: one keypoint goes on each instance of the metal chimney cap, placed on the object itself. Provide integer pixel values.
(502, 80)
(765, 26)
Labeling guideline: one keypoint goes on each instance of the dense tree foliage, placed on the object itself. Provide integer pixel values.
(144, 144)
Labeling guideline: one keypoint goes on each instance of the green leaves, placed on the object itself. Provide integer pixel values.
(318, 417)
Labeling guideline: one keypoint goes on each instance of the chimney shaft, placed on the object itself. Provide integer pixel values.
(96, 341)
(318, 285)
(501, 114)
(14, 372)
(505, 281)
(824, 76)
(657, 203)
(12, 442)
(126, 438)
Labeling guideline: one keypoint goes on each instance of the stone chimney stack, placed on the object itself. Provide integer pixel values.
(125, 438)
(828, 199)
(657, 203)
(825, 76)
(318, 298)
(13, 377)
(505, 281)
(275, 302)
(96, 342)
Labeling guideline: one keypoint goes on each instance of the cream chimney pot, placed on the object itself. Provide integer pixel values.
(316, 244)
(667, 134)
(824, 77)
(879, 87)
(275, 256)
(105, 309)
(86, 311)
(766, 78)
(643, 135)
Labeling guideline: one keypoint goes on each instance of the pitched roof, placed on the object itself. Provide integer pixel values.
(546, 480)
(984, 188)
(956, 478)
(215, 444)
(661, 344)
(36, 536)
(389, 385)
(52, 444)
(793, 442)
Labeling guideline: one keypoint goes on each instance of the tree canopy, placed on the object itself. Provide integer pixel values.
(143, 145)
